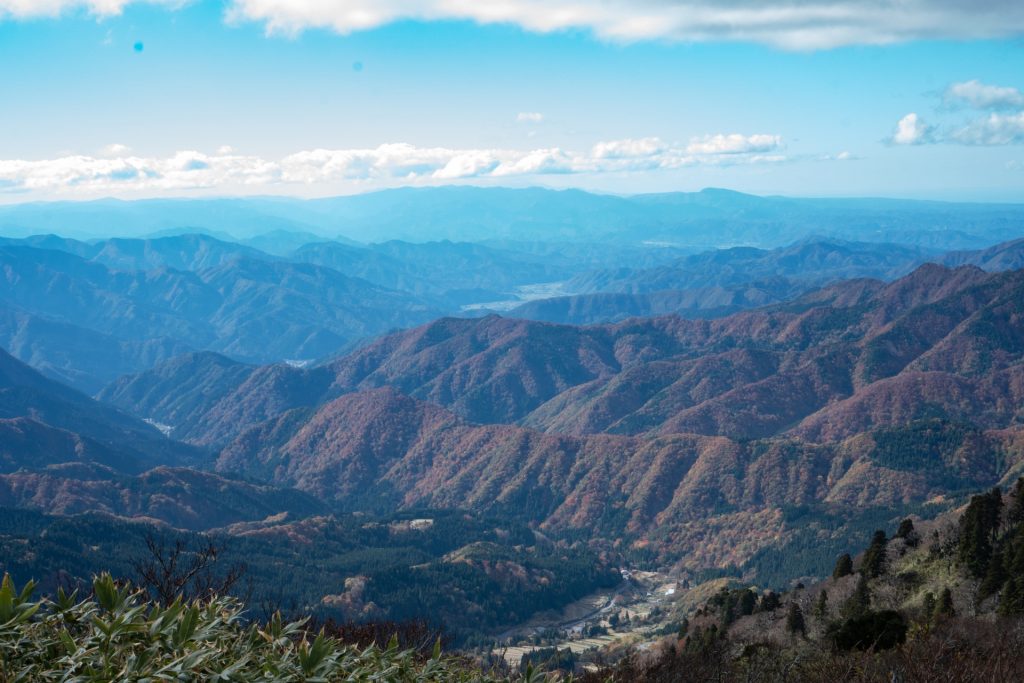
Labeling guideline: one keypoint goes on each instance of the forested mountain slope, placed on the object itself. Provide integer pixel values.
(861, 352)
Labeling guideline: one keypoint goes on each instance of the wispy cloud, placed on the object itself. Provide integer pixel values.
(789, 24)
(390, 162)
(981, 96)
(996, 129)
(530, 117)
(115, 150)
(734, 144)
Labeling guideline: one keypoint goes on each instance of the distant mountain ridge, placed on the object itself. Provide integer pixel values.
(717, 283)
(132, 303)
(715, 377)
(707, 219)
(255, 309)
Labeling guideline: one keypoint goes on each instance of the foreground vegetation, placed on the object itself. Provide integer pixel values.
(120, 635)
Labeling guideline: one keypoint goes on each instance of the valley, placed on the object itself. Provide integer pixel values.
(511, 341)
(789, 401)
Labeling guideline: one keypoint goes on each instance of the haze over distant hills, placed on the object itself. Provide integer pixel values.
(707, 219)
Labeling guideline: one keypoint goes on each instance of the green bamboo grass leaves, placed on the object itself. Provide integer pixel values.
(117, 635)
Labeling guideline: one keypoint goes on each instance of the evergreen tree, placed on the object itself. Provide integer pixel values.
(907, 532)
(769, 602)
(1011, 600)
(748, 601)
(702, 639)
(928, 605)
(795, 620)
(995, 576)
(859, 603)
(821, 606)
(728, 611)
(1015, 515)
(944, 607)
(977, 531)
(874, 557)
(844, 566)
(684, 628)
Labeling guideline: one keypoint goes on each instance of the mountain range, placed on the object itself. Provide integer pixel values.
(863, 393)
(716, 283)
(254, 309)
(712, 218)
(88, 312)
(744, 410)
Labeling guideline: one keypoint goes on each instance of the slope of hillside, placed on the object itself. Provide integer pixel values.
(251, 308)
(380, 451)
(844, 354)
(921, 600)
(1003, 256)
(62, 452)
(181, 498)
(85, 425)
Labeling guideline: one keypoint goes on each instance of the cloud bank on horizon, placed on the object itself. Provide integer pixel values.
(117, 169)
(787, 24)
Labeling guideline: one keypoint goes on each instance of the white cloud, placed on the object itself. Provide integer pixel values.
(184, 170)
(996, 129)
(1003, 125)
(734, 144)
(911, 130)
(845, 155)
(29, 9)
(981, 96)
(389, 163)
(628, 149)
(115, 150)
(791, 24)
(530, 117)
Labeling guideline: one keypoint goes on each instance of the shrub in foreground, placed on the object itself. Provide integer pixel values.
(118, 635)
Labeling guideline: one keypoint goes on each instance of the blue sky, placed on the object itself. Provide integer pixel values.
(321, 97)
